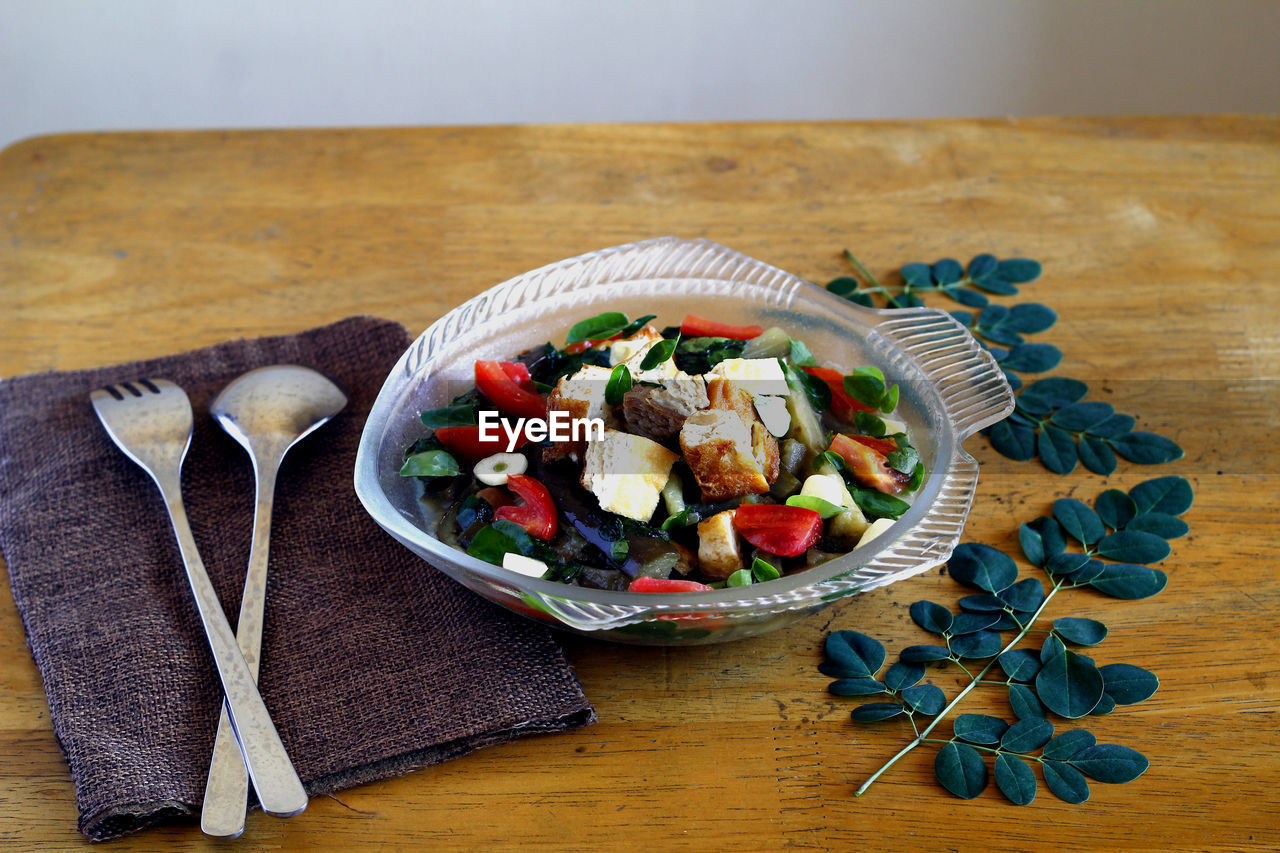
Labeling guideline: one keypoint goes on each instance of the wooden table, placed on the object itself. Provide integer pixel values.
(1160, 239)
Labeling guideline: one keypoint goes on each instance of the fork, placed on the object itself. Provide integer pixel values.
(151, 421)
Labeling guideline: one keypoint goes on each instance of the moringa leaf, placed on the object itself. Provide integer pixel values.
(981, 644)
(1024, 702)
(1069, 684)
(1026, 595)
(1032, 358)
(1054, 392)
(620, 382)
(1170, 495)
(1018, 270)
(1078, 520)
(1160, 524)
(1027, 735)
(917, 275)
(1042, 540)
(1097, 455)
(1014, 441)
(1015, 779)
(1113, 427)
(843, 286)
(1115, 508)
(1065, 782)
(1146, 448)
(925, 699)
(1066, 563)
(982, 566)
(1129, 582)
(1105, 706)
(1110, 762)
(979, 728)
(947, 271)
(982, 603)
(934, 618)
(659, 352)
(961, 770)
(1078, 417)
(1133, 546)
(855, 687)
(1057, 449)
(923, 654)
(873, 712)
(1030, 318)
(858, 655)
(965, 296)
(971, 622)
(1128, 684)
(597, 328)
(901, 675)
(1068, 744)
(1020, 664)
(1082, 632)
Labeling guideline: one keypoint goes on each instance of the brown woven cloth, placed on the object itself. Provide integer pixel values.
(373, 663)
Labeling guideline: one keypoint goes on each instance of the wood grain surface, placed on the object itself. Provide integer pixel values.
(1160, 239)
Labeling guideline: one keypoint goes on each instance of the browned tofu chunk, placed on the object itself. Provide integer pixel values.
(719, 449)
(727, 395)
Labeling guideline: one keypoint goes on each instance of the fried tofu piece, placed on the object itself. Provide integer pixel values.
(659, 412)
(626, 473)
(720, 451)
(719, 551)
(727, 395)
(582, 396)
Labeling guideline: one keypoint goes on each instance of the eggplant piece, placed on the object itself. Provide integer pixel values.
(648, 550)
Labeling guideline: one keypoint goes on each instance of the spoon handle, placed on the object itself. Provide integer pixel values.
(227, 789)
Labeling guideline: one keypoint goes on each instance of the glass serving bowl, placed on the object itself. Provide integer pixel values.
(950, 388)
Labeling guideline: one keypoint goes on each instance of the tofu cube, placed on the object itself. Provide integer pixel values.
(719, 551)
(754, 375)
(719, 448)
(582, 396)
(626, 473)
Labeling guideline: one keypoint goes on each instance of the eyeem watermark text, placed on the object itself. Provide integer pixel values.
(557, 426)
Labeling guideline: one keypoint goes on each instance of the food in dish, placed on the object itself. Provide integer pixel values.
(665, 460)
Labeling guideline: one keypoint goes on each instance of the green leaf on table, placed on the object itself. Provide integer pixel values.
(982, 603)
(1105, 706)
(1024, 702)
(923, 654)
(1078, 520)
(902, 675)
(971, 622)
(873, 712)
(1020, 664)
(947, 271)
(933, 618)
(961, 770)
(1078, 417)
(1146, 448)
(1082, 632)
(1032, 358)
(1068, 744)
(1012, 440)
(1129, 582)
(1045, 395)
(1027, 735)
(1026, 595)
(1169, 495)
(1065, 782)
(925, 699)
(1133, 546)
(857, 655)
(843, 286)
(982, 566)
(1110, 762)
(1096, 455)
(1069, 684)
(1128, 684)
(1113, 427)
(982, 644)
(1015, 779)
(979, 728)
(1041, 539)
(1057, 449)
(1160, 524)
(1115, 508)
(855, 687)
(1018, 270)
(1066, 564)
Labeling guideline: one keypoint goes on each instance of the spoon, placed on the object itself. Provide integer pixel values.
(267, 411)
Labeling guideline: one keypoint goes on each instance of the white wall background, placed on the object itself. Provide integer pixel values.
(134, 64)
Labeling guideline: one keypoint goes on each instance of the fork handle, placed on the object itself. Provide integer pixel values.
(227, 788)
(279, 789)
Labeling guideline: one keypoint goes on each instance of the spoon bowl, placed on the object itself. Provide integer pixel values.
(267, 411)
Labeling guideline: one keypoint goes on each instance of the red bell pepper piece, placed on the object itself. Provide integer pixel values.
(869, 467)
(787, 531)
(495, 382)
(465, 441)
(647, 584)
(537, 515)
(843, 406)
(700, 327)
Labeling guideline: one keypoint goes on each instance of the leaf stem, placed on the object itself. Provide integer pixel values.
(923, 735)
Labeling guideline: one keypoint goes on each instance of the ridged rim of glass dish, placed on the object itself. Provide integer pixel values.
(969, 385)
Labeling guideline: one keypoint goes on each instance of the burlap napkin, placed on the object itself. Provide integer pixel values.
(373, 663)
